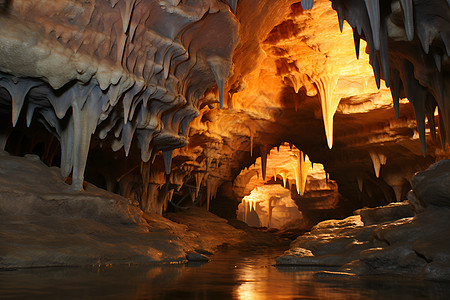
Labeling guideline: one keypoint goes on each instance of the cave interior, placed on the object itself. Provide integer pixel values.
(281, 114)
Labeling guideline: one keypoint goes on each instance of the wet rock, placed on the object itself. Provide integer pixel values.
(394, 243)
(351, 221)
(330, 243)
(329, 274)
(193, 256)
(215, 231)
(432, 186)
(398, 257)
(44, 223)
(390, 212)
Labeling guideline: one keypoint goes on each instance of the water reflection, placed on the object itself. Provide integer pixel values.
(230, 275)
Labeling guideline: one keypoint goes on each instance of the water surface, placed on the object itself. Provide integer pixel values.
(230, 275)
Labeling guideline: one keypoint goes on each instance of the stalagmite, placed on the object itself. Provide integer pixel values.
(167, 155)
(378, 159)
(398, 192)
(307, 4)
(329, 101)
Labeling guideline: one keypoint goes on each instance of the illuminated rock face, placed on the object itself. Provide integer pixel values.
(313, 194)
(269, 206)
(137, 79)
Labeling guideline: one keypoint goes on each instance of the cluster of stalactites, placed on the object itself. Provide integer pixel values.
(299, 166)
(135, 79)
(415, 70)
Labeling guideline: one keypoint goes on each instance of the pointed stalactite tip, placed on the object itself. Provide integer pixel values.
(307, 4)
(167, 155)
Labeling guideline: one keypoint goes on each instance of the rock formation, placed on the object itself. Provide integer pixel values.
(389, 239)
(140, 79)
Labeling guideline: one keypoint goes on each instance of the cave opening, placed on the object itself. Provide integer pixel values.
(294, 192)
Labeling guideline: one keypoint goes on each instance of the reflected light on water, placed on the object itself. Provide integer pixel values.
(263, 281)
(230, 275)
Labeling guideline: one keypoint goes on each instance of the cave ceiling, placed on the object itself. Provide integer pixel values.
(132, 89)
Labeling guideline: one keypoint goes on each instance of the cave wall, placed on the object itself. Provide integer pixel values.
(132, 91)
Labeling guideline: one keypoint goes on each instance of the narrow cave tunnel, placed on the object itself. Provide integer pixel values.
(145, 138)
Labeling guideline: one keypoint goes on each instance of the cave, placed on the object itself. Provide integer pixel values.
(153, 138)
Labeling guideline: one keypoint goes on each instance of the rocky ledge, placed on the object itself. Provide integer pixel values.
(45, 223)
(408, 238)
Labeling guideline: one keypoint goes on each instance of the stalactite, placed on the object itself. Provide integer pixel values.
(301, 169)
(378, 159)
(360, 183)
(416, 95)
(251, 131)
(329, 101)
(263, 151)
(356, 41)
(220, 69)
(167, 156)
(307, 4)
(408, 18)
(233, 5)
(284, 174)
(341, 18)
(373, 9)
(18, 89)
(198, 182)
(395, 87)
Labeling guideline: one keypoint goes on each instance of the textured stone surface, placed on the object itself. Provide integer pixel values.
(45, 223)
(416, 246)
(330, 243)
(390, 212)
(432, 186)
